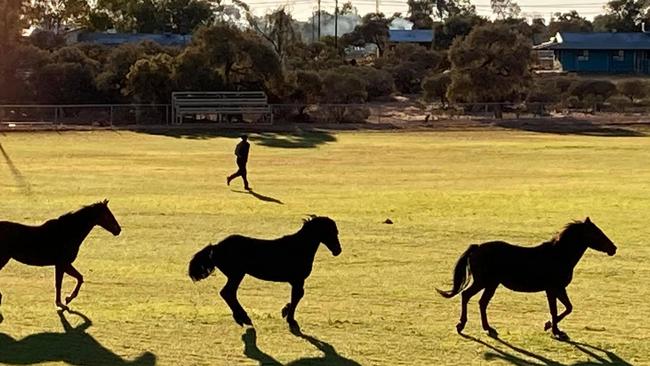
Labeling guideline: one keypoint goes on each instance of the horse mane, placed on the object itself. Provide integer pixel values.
(568, 230)
(81, 211)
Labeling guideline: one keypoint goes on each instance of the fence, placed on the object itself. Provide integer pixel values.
(385, 113)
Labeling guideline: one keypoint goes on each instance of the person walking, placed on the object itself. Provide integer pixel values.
(241, 152)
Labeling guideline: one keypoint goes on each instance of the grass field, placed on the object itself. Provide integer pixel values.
(373, 305)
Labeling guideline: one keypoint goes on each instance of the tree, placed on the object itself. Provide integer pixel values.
(569, 22)
(505, 9)
(420, 13)
(491, 64)
(633, 89)
(373, 29)
(65, 83)
(278, 28)
(454, 26)
(348, 9)
(150, 79)
(184, 16)
(11, 23)
(409, 64)
(243, 57)
(592, 92)
(56, 15)
(435, 87)
(621, 16)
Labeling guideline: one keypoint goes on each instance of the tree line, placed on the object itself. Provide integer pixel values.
(472, 59)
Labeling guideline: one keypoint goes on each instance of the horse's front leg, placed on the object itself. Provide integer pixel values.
(568, 308)
(289, 310)
(552, 305)
(58, 281)
(80, 280)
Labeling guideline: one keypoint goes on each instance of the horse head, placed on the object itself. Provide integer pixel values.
(105, 218)
(596, 239)
(324, 229)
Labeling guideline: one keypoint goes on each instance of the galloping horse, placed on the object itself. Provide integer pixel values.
(547, 267)
(55, 243)
(287, 259)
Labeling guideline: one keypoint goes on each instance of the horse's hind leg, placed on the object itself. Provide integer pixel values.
(289, 310)
(229, 294)
(80, 279)
(3, 262)
(483, 304)
(465, 296)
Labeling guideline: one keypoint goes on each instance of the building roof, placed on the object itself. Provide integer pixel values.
(410, 35)
(598, 41)
(114, 39)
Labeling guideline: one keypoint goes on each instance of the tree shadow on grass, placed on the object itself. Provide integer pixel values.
(260, 197)
(289, 139)
(330, 356)
(569, 126)
(18, 176)
(515, 355)
(74, 347)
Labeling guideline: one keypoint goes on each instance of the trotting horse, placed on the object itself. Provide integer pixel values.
(547, 267)
(287, 259)
(55, 243)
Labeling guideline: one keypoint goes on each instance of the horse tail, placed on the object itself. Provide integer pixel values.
(202, 265)
(460, 274)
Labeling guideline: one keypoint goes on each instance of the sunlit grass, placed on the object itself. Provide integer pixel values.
(373, 305)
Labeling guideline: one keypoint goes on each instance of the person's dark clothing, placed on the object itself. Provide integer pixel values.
(241, 151)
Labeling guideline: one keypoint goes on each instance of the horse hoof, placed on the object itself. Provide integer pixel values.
(492, 333)
(62, 307)
(294, 327)
(547, 326)
(460, 327)
(561, 336)
(285, 311)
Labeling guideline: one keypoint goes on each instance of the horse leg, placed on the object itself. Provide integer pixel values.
(58, 281)
(568, 308)
(3, 262)
(289, 310)
(483, 304)
(80, 279)
(466, 295)
(552, 297)
(229, 294)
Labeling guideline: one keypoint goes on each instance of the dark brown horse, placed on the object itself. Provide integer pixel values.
(55, 243)
(547, 267)
(287, 259)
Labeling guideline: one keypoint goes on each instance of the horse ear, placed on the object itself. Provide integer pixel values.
(587, 220)
(105, 202)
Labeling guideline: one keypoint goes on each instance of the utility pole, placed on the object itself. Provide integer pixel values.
(376, 6)
(319, 20)
(336, 24)
(313, 26)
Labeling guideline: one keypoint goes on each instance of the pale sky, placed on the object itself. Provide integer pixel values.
(302, 9)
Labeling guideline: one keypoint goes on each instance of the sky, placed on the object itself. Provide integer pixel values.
(302, 9)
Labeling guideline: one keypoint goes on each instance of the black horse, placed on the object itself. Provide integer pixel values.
(55, 243)
(287, 259)
(547, 267)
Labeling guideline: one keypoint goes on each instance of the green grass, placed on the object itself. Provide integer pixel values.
(373, 305)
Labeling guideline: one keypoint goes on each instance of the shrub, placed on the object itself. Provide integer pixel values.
(633, 89)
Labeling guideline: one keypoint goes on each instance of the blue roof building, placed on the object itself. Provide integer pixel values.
(601, 52)
(421, 36)
(116, 39)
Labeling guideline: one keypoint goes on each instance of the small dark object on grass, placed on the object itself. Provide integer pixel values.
(388, 221)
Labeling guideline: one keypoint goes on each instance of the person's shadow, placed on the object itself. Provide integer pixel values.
(260, 197)
(599, 356)
(74, 347)
(330, 356)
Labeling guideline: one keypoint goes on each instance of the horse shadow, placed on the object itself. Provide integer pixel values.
(74, 347)
(514, 354)
(260, 197)
(330, 356)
